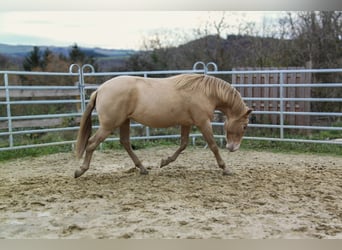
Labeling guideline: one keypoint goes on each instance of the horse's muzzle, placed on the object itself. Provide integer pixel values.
(232, 147)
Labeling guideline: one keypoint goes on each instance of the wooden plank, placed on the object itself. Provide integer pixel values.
(266, 93)
(234, 77)
(257, 93)
(291, 93)
(307, 94)
(40, 93)
(33, 123)
(274, 93)
(271, 92)
(257, 79)
(299, 106)
(37, 123)
(237, 80)
(250, 91)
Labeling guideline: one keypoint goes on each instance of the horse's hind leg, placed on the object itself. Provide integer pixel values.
(185, 130)
(100, 135)
(124, 140)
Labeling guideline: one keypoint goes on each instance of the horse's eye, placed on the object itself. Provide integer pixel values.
(244, 127)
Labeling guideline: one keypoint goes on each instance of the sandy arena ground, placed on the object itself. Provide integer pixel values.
(270, 196)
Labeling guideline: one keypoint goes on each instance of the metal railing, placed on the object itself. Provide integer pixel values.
(17, 130)
(282, 99)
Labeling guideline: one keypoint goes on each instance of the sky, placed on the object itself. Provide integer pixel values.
(116, 29)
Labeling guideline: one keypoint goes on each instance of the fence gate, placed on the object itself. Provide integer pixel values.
(270, 94)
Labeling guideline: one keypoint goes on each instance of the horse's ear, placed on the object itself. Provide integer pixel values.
(248, 112)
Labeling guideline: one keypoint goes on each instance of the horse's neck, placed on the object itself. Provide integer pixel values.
(233, 109)
(229, 102)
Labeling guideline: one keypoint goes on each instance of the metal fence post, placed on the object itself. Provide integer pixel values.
(147, 128)
(281, 95)
(212, 64)
(8, 108)
(205, 69)
(80, 85)
(205, 66)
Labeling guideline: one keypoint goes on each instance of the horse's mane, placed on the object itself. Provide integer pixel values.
(212, 87)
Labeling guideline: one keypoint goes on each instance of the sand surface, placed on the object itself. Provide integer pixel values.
(269, 196)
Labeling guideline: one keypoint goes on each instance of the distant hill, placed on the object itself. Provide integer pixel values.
(105, 58)
(229, 52)
(232, 51)
(23, 50)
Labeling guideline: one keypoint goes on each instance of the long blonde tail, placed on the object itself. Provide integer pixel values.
(85, 127)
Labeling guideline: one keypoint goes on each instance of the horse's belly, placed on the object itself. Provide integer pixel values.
(162, 117)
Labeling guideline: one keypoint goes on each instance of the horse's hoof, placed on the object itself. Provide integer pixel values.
(78, 173)
(228, 172)
(131, 170)
(143, 172)
(165, 162)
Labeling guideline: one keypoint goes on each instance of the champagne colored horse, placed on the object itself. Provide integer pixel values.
(184, 100)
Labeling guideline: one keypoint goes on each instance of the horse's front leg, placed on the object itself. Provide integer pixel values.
(185, 130)
(207, 132)
(124, 140)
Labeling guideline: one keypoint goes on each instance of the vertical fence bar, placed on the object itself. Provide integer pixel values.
(81, 87)
(147, 128)
(82, 83)
(281, 95)
(8, 108)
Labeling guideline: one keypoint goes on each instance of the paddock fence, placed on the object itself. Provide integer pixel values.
(295, 105)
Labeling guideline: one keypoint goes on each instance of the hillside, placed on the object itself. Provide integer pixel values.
(105, 58)
(229, 52)
(232, 51)
(23, 50)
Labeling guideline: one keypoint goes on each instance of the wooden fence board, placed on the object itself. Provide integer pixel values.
(33, 123)
(273, 92)
(14, 93)
(290, 92)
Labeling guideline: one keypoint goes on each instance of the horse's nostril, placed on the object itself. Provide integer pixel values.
(232, 147)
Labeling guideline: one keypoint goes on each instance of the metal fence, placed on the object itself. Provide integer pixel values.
(36, 110)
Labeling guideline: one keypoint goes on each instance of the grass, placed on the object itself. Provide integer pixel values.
(270, 146)
(293, 147)
(33, 152)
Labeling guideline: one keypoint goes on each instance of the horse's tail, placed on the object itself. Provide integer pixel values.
(85, 127)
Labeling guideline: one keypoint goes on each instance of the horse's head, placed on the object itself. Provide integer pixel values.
(235, 129)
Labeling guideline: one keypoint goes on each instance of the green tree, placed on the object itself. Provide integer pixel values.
(46, 58)
(76, 55)
(37, 60)
(5, 62)
(33, 60)
(317, 37)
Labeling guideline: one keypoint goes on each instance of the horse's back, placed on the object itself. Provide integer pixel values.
(155, 102)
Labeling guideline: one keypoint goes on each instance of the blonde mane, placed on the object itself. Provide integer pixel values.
(214, 87)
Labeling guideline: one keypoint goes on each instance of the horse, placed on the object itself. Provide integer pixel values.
(186, 100)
